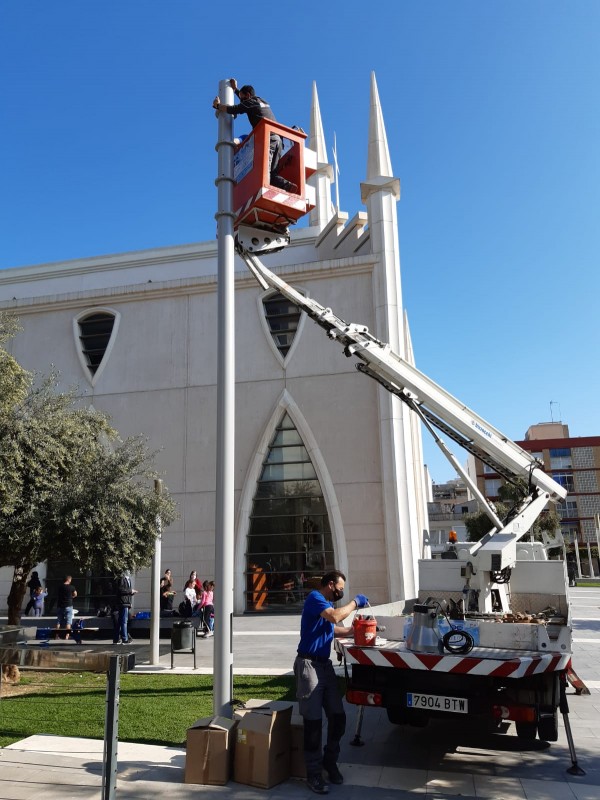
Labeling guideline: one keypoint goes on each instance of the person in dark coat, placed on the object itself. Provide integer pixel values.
(123, 598)
(256, 108)
(32, 584)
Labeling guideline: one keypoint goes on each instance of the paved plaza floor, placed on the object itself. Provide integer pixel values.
(396, 762)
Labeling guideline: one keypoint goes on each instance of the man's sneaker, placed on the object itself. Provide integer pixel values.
(317, 784)
(333, 773)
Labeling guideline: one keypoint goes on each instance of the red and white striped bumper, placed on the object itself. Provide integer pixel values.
(481, 661)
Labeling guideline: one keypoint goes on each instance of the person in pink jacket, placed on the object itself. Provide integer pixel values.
(206, 603)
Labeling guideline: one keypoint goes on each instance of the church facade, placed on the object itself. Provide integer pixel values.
(328, 465)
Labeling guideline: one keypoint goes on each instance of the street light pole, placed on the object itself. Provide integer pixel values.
(224, 516)
(155, 588)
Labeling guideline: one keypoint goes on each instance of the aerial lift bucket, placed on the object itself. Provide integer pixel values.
(256, 202)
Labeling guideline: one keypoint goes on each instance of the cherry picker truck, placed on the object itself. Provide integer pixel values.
(489, 635)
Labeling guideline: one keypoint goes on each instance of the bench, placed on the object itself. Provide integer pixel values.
(76, 632)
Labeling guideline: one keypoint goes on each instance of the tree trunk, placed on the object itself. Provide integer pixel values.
(17, 592)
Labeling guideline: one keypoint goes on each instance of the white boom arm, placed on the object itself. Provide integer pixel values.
(497, 550)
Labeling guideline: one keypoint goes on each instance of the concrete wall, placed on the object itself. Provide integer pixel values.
(160, 380)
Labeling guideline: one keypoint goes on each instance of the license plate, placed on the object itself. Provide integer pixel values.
(437, 702)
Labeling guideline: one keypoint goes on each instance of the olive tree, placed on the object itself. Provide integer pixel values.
(70, 488)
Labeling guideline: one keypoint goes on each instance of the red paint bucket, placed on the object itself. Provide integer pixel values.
(365, 631)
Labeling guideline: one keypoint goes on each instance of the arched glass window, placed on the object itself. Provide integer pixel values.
(95, 331)
(282, 319)
(289, 544)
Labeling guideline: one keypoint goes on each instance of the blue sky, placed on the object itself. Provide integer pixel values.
(492, 114)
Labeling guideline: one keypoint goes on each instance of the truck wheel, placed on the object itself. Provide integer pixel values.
(548, 726)
(526, 730)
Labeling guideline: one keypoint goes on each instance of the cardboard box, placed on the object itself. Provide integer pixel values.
(297, 765)
(262, 747)
(209, 752)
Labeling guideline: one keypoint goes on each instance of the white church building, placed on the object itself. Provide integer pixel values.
(328, 465)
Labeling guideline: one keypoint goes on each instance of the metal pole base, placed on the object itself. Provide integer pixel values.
(357, 741)
(574, 769)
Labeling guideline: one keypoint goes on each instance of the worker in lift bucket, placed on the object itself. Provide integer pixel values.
(316, 681)
(256, 109)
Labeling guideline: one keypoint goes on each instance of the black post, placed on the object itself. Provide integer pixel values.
(111, 730)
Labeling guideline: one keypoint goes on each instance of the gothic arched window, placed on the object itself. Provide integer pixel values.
(282, 318)
(95, 333)
(289, 545)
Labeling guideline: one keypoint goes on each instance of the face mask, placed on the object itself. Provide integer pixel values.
(338, 594)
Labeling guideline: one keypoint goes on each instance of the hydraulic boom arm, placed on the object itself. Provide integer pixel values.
(497, 550)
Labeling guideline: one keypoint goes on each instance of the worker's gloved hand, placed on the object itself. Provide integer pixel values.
(361, 601)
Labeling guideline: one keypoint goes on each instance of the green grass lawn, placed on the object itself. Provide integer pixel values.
(153, 709)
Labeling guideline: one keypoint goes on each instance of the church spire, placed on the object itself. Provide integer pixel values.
(317, 136)
(378, 160)
(321, 179)
(379, 165)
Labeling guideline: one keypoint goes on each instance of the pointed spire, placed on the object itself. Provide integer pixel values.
(321, 179)
(317, 137)
(378, 160)
(379, 166)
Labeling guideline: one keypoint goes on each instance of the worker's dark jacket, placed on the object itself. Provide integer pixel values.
(255, 107)
(123, 592)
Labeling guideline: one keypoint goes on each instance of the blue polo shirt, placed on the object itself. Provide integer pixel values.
(316, 633)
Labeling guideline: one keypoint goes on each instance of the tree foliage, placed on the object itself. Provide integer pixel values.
(70, 488)
(478, 524)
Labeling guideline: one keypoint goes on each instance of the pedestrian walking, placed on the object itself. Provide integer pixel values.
(64, 605)
(123, 598)
(32, 585)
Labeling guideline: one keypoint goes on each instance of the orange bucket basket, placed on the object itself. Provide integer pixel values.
(365, 631)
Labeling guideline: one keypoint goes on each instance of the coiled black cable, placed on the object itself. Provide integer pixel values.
(460, 648)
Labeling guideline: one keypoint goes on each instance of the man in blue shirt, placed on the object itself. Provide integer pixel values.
(316, 682)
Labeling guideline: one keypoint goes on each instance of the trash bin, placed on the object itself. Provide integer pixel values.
(182, 636)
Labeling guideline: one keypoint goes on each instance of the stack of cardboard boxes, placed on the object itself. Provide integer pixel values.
(262, 746)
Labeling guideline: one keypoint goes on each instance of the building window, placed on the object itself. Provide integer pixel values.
(95, 331)
(539, 456)
(492, 487)
(570, 532)
(289, 545)
(282, 318)
(565, 479)
(487, 470)
(567, 509)
(560, 458)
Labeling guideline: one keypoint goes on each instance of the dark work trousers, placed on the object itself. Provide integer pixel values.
(120, 617)
(275, 153)
(317, 690)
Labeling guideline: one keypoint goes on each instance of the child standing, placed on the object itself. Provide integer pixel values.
(39, 594)
(208, 608)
